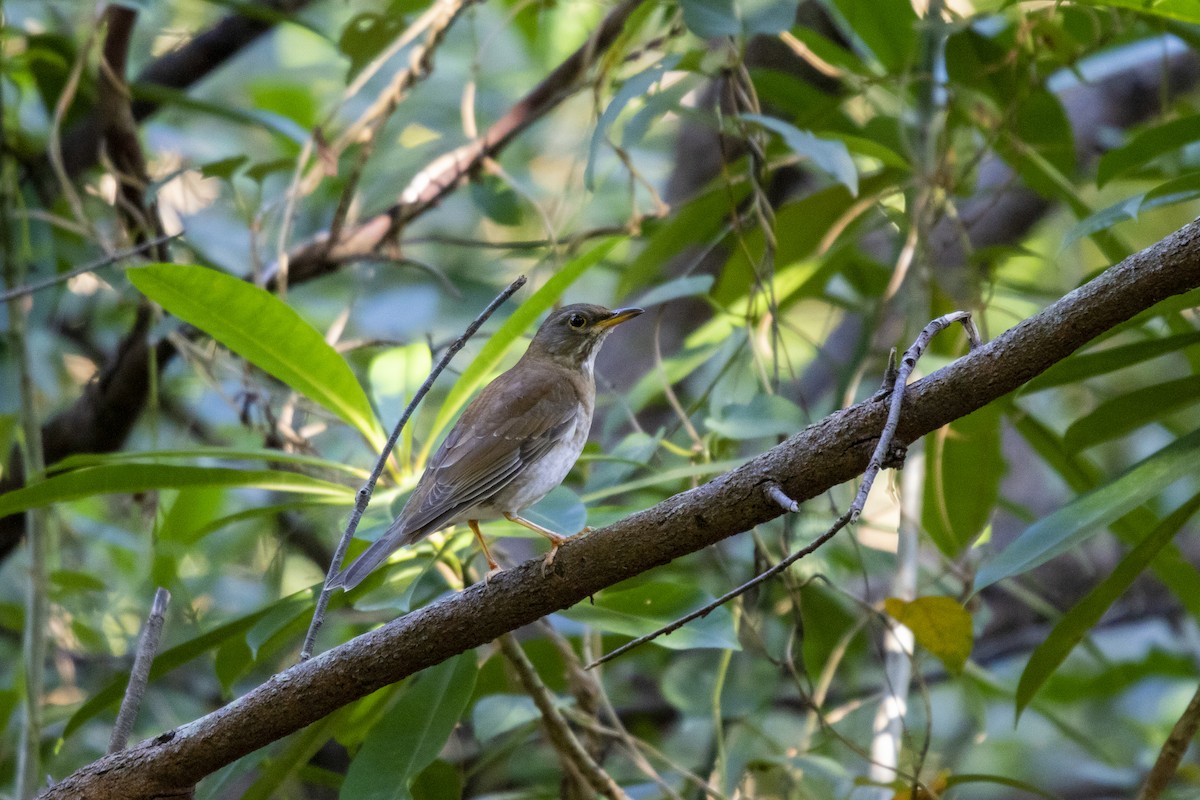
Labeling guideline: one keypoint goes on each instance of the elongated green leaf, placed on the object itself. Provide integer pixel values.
(504, 338)
(887, 27)
(1082, 518)
(412, 733)
(1147, 146)
(648, 605)
(1179, 10)
(265, 331)
(126, 478)
(963, 468)
(197, 453)
(1100, 362)
(1075, 624)
(1176, 573)
(1127, 412)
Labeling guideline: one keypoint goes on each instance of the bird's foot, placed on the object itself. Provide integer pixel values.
(548, 561)
(493, 571)
(584, 531)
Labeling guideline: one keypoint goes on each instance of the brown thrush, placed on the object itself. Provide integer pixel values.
(515, 442)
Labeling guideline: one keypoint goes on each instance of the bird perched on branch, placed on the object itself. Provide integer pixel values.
(515, 442)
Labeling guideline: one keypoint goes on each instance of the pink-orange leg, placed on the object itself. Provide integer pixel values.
(493, 567)
(556, 540)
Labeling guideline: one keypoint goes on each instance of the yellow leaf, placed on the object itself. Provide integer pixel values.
(940, 624)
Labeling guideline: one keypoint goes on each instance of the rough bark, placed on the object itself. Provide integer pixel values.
(821, 456)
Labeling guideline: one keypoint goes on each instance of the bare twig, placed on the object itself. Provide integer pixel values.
(46, 283)
(886, 440)
(363, 497)
(1172, 751)
(903, 371)
(139, 674)
(779, 496)
(565, 742)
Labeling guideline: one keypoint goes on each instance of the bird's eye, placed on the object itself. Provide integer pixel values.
(576, 321)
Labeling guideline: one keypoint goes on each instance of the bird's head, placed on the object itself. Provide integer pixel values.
(572, 334)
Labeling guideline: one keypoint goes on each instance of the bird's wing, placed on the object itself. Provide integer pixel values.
(510, 425)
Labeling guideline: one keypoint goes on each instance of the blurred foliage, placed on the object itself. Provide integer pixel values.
(830, 193)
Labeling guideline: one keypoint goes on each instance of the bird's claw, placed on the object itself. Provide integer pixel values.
(492, 572)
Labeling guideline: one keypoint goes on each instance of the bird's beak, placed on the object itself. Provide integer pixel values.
(618, 316)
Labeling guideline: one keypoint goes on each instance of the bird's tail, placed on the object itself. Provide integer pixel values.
(371, 558)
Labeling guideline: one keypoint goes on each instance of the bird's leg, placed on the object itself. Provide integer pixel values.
(556, 540)
(493, 567)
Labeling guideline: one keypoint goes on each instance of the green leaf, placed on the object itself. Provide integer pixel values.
(1085, 516)
(265, 331)
(634, 86)
(497, 714)
(764, 415)
(1147, 146)
(649, 605)
(128, 478)
(963, 468)
(1081, 475)
(1100, 362)
(1075, 624)
(939, 624)
(412, 733)
(1127, 412)
(496, 199)
(710, 19)
(518, 322)
(828, 155)
(1179, 10)
(685, 286)
(888, 28)
(197, 453)
(367, 35)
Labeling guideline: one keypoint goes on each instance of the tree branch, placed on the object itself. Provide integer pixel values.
(450, 170)
(823, 455)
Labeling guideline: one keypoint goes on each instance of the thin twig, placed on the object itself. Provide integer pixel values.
(564, 739)
(887, 437)
(364, 494)
(1172, 751)
(46, 283)
(139, 675)
(907, 364)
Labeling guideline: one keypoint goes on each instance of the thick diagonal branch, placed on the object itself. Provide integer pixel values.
(821, 456)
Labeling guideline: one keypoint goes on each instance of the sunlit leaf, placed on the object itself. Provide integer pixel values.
(128, 478)
(265, 331)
